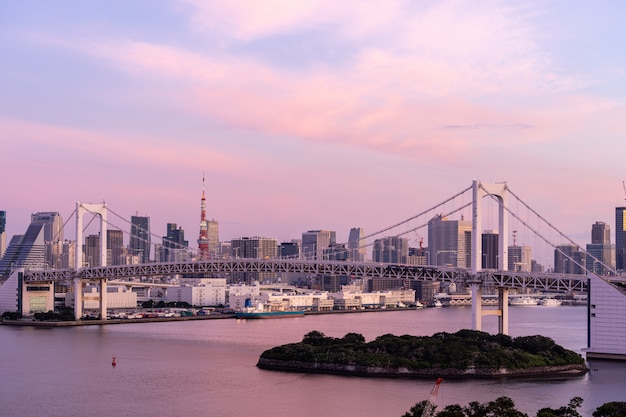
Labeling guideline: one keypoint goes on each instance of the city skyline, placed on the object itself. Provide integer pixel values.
(310, 115)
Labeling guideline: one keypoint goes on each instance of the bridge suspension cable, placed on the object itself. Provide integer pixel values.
(554, 246)
(417, 215)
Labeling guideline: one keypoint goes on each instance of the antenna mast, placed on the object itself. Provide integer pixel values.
(203, 239)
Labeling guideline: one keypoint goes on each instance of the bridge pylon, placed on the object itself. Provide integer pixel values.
(101, 210)
(499, 192)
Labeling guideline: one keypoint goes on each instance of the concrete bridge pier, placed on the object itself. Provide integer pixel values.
(103, 299)
(477, 306)
(478, 312)
(78, 298)
(503, 306)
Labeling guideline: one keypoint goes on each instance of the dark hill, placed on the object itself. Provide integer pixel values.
(461, 354)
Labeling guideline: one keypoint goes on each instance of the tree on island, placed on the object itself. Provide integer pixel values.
(611, 409)
(571, 410)
(505, 407)
(501, 407)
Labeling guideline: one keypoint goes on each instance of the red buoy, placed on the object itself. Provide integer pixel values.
(113, 363)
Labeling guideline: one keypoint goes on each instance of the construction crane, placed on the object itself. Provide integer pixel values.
(429, 408)
(624, 185)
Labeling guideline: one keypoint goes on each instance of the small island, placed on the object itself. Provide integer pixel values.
(466, 353)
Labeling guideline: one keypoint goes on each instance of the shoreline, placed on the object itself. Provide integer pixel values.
(557, 371)
(75, 323)
(218, 316)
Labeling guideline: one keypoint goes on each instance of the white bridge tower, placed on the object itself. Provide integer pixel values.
(101, 211)
(499, 192)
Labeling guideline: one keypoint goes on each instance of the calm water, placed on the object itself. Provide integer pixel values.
(207, 368)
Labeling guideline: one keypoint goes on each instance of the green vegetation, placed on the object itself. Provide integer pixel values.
(11, 315)
(61, 314)
(505, 407)
(162, 304)
(466, 350)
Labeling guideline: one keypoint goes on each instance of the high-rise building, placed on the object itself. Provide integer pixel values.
(600, 252)
(620, 238)
(213, 236)
(3, 234)
(140, 238)
(255, 248)
(68, 258)
(53, 233)
(27, 250)
(315, 241)
(336, 252)
(91, 250)
(417, 256)
(175, 247)
(600, 233)
(520, 258)
(490, 249)
(568, 259)
(53, 225)
(115, 247)
(391, 249)
(357, 244)
(450, 242)
(289, 250)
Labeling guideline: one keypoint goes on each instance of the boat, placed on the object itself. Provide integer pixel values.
(418, 305)
(550, 302)
(438, 303)
(523, 301)
(268, 314)
(264, 311)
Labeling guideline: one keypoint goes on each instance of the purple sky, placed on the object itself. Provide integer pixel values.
(310, 114)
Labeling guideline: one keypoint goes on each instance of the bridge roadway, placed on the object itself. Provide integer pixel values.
(484, 278)
(502, 281)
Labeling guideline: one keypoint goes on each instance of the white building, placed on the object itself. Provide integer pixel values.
(351, 297)
(296, 301)
(211, 292)
(237, 294)
(118, 296)
(607, 324)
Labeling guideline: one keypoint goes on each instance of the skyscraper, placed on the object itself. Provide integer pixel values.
(519, 258)
(315, 241)
(27, 250)
(450, 242)
(3, 236)
(568, 259)
(52, 234)
(620, 237)
(600, 233)
(391, 249)
(175, 247)
(115, 247)
(53, 225)
(356, 244)
(490, 249)
(600, 252)
(140, 238)
(256, 248)
(290, 250)
(213, 235)
(91, 250)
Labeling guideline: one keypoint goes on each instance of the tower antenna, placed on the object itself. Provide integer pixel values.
(203, 239)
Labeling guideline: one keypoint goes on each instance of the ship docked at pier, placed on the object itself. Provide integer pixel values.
(265, 311)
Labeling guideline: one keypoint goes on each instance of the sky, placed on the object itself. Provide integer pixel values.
(310, 114)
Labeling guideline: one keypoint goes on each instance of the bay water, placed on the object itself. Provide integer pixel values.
(208, 368)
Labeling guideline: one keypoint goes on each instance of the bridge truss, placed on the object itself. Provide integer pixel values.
(493, 278)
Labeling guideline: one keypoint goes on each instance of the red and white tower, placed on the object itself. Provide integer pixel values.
(203, 240)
